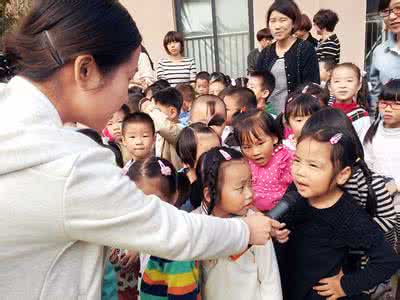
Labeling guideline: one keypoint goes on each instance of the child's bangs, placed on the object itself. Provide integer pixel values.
(252, 132)
(391, 91)
(304, 106)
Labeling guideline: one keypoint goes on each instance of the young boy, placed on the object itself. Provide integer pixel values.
(202, 83)
(262, 84)
(188, 96)
(138, 137)
(164, 109)
(236, 99)
(264, 38)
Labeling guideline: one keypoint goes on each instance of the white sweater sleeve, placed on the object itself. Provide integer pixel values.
(104, 207)
(268, 272)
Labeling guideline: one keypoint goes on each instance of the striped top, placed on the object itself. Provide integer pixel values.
(329, 48)
(165, 279)
(357, 187)
(175, 73)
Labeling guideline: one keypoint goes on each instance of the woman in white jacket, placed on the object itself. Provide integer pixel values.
(62, 198)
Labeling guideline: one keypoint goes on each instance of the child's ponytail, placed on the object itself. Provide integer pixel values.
(371, 205)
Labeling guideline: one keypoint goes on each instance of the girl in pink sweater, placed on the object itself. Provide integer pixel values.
(269, 160)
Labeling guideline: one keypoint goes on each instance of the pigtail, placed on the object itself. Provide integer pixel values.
(369, 136)
(371, 205)
(362, 95)
(212, 184)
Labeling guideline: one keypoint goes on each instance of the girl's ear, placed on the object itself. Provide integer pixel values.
(343, 176)
(206, 194)
(275, 140)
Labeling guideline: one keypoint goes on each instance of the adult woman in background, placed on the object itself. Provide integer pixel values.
(291, 60)
(62, 196)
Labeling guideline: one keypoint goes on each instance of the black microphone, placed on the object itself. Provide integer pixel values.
(287, 202)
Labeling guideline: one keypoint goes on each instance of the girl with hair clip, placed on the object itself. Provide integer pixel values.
(326, 224)
(192, 142)
(269, 160)
(163, 278)
(367, 188)
(381, 143)
(298, 109)
(226, 191)
(346, 86)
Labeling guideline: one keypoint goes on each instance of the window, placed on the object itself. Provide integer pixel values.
(217, 33)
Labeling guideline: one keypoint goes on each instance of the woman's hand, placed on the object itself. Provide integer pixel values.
(260, 228)
(330, 287)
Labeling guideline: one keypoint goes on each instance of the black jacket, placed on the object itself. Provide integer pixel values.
(300, 62)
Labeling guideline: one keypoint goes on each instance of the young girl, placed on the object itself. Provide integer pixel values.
(226, 189)
(269, 160)
(366, 187)
(192, 142)
(325, 224)
(345, 84)
(163, 278)
(298, 109)
(382, 142)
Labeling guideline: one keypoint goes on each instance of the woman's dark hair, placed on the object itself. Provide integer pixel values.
(186, 145)
(174, 36)
(390, 92)
(328, 117)
(144, 50)
(362, 95)
(55, 32)
(152, 167)
(326, 19)
(6, 70)
(288, 8)
(220, 77)
(254, 123)
(305, 23)
(209, 173)
(383, 4)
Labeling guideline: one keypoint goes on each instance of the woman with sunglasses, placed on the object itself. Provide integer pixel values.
(386, 57)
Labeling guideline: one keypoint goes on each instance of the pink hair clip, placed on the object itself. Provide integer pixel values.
(225, 154)
(336, 138)
(165, 170)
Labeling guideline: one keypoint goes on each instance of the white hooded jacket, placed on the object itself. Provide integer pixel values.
(62, 199)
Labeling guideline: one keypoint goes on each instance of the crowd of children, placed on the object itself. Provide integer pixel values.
(208, 144)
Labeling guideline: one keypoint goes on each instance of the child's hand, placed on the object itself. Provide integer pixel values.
(114, 256)
(331, 287)
(260, 228)
(128, 260)
(280, 234)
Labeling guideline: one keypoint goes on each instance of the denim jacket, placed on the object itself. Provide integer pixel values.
(385, 66)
